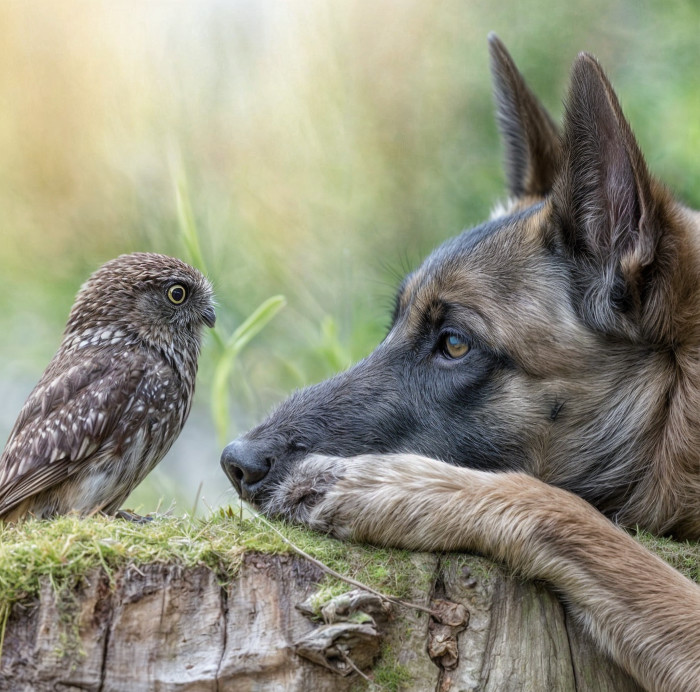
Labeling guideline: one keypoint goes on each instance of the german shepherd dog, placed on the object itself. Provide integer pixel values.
(539, 388)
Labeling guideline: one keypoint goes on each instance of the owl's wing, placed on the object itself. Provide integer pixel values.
(66, 419)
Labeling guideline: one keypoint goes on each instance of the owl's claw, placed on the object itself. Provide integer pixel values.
(128, 515)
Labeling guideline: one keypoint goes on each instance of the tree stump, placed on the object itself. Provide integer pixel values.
(168, 627)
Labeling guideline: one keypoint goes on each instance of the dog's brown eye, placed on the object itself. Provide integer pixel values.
(454, 346)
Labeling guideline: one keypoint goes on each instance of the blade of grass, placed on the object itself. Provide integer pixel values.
(185, 213)
(188, 225)
(231, 347)
(236, 342)
(254, 323)
(219, 338)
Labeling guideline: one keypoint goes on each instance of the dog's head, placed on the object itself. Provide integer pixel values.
(551, 332)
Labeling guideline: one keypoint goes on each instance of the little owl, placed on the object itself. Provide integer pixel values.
(116, 394)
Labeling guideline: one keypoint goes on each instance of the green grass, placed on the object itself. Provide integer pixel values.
(683, 556)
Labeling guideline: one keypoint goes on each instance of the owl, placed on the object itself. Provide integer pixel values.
(116, 394)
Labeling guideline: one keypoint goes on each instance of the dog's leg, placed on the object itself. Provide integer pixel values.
(637, 607)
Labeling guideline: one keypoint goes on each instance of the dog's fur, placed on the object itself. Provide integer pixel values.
(576, 324)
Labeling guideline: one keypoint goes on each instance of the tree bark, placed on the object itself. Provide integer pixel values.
(164, 627)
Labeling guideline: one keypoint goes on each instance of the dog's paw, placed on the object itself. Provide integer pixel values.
(375, 498)
(356, 499)
(298, 496)
(399, 500)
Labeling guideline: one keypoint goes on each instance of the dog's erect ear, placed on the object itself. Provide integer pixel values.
(530, 137)
(606, 208)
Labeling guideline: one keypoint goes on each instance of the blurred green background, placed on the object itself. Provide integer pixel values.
(327, 146)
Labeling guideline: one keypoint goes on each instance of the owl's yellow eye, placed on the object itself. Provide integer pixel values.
(177, 294)
(454, 346)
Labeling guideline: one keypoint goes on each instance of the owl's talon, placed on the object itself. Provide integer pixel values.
(128, 515)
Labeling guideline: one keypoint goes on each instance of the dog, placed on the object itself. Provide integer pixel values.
(538, 389)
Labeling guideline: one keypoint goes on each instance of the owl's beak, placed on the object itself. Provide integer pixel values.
(209, 316)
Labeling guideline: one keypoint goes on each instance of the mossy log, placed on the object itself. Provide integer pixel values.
(188, 625)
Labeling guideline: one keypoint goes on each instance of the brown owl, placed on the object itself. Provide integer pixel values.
(116, 394)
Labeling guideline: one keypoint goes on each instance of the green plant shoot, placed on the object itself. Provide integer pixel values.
(229, 347)
(232, 347)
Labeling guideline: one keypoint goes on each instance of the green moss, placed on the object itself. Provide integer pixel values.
(387, 674)
(66, 548)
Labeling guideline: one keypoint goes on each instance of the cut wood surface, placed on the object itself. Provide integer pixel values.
(170, 627)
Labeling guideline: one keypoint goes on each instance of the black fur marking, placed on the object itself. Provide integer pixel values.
(556, 409)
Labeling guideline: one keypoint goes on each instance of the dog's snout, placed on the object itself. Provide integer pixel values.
(245, 464)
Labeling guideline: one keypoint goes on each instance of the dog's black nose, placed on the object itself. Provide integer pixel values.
(245, 464)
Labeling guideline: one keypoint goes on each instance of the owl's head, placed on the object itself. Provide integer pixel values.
(146, 297)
